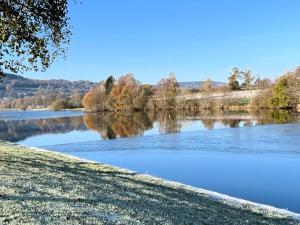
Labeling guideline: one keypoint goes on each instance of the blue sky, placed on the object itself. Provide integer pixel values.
(195, 39)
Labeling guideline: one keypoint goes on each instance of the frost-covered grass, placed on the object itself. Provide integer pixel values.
(48, 188)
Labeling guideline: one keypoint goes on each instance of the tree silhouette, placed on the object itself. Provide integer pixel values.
(32, 34)
(109, 84)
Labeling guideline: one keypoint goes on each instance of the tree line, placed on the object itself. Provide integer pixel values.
(246, 79)
(128, 94)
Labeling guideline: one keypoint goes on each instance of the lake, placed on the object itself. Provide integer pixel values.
(254, 156)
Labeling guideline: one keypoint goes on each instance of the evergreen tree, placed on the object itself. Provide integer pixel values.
(109, 84)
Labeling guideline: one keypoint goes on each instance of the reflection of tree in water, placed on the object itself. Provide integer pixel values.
(248, 123)
(208, 123)
(18, 130)
(281, 116)
(168, 121)
(277, 117)
(232, 123)
(128, 124)
(111, 125)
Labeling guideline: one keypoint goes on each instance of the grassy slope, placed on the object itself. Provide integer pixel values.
(48, 188)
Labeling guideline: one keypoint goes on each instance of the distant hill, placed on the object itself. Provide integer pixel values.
(16, 86)
(197, 84)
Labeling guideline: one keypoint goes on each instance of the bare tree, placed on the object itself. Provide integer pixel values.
(248, 78)
(167, 91)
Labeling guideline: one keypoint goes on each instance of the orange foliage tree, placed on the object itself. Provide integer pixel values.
(96, 99)
(167, 91)
(125, 94)
(129, 94)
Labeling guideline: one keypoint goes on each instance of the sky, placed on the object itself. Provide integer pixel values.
(195, 39)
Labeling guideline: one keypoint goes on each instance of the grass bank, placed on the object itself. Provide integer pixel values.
(48, 188)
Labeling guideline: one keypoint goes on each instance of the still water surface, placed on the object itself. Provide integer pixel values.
(257, 163)
(39, 128)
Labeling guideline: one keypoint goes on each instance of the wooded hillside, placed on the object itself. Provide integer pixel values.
(16, 86)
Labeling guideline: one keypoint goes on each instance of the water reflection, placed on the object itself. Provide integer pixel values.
(18, 130)
(118, 125)
(130, 124)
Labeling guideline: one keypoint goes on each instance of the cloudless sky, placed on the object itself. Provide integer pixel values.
(195, 39)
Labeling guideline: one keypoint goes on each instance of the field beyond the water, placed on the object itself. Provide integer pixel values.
(38, 187)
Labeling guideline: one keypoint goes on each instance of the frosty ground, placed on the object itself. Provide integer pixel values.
(48, 188)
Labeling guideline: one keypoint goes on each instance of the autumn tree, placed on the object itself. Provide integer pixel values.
(96, 99)
(140, 102)
(167, 91)
(124, 92)
(233, 79)
(60, 104)
(32, 34)
(87, 101)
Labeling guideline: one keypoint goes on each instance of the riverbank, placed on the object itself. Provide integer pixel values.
(41, 187)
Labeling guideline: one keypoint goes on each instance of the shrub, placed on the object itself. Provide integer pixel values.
(262, 100)
(59, 104)
(285, 93)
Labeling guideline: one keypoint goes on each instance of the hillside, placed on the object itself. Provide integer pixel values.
(197, 84)
(16, 86)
